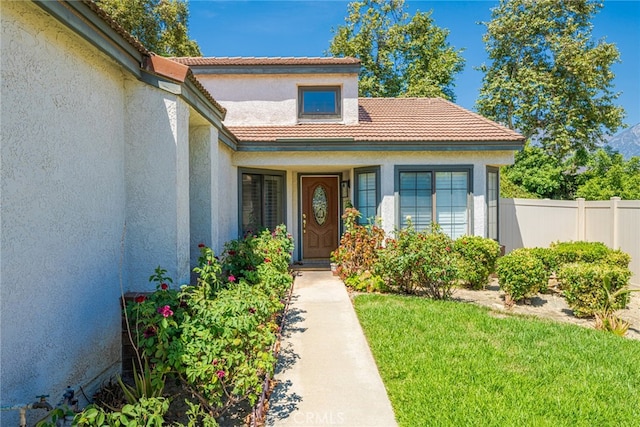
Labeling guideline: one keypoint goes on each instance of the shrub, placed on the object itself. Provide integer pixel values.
(359, 246)
(416, 262)
(521, 275)
(568, 252)
(366, 282)
(617, 257)
(587, 287)
(216, 337)
(479, 257)
(548, 257)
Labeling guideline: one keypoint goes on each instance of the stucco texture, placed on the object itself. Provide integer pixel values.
(62, 209)
(95, 195)
(273, 99)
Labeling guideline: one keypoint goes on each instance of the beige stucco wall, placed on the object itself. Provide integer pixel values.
(62, 210)
(344, 163)
(95, 195)
(272, 99)
(157, 170)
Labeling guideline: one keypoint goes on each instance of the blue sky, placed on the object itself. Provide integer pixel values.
(303, 28)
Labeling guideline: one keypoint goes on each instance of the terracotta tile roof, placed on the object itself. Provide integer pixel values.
(254, 61)
(116, 26)
(392, 120)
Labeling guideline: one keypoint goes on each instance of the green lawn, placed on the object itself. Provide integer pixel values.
(451, 363)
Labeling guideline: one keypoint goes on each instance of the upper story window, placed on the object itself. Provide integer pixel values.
(319, 102)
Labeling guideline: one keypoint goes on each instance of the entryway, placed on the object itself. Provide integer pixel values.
(320, 211)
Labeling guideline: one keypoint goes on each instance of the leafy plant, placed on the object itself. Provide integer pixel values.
(147, 412)
(216, 337)
(594, 288)
(359, 246)
(416, 262)
(521, 275)
(144, 385)
(366, 282)
(568, 252)
(479, 257)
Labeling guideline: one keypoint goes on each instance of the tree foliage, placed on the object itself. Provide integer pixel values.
(537, 175)
(400, 56)
(547, 78)
(609, 175)
(160, 25)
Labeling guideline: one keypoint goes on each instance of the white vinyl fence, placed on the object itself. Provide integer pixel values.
(533, 222)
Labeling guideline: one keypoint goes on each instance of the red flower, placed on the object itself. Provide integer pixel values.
(232, 278)
(201, 245)
(140, 299)
(232, 253)
(215, 362)
(252, 310)
(267, 260)
(164, 286)
(220, 374)
(149, 332)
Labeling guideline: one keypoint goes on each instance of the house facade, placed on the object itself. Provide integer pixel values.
(115, 161)
(307, 146)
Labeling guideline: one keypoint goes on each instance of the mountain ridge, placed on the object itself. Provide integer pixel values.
(626, 142)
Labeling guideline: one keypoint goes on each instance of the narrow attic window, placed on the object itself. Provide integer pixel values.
(319, 102)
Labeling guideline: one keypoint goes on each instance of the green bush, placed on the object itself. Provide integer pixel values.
(548, 257)
(366, 282)
(521, 275)
(416, 262)
(568, 252)
(359, 246)
(617, 257)
(587, 287)
(479, 257)
(216, 337)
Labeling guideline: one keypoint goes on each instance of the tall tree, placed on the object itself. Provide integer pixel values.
(160, 25)
(548, 79)
(400, 56)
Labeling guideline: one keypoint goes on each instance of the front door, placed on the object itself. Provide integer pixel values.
(320, 216)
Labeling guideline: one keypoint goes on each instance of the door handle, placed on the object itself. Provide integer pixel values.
(304, 223)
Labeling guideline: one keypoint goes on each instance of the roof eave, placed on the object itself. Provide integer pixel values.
(349, 145)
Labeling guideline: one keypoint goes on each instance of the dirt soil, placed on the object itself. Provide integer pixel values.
(550, 306)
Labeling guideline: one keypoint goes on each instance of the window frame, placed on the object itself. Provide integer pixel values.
(434, 169)
(262, 173)
(320, 116)
(496, 170)
(356, 189)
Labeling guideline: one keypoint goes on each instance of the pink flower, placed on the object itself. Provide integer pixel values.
(220, 374)
(164, 286)
(215, 362)
(231, 278)
(448, 249)
(140, 299)
(165, 311)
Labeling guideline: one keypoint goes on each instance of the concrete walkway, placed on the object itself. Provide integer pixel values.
(325, 373)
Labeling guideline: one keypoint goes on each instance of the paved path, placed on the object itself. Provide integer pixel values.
(326, 374)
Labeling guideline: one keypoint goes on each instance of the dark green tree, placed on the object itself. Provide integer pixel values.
(400, 55)
(548, 79)
(160, 25)
(609, 175)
